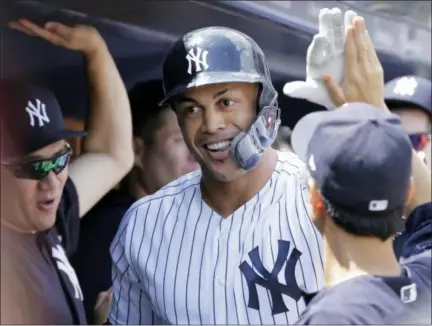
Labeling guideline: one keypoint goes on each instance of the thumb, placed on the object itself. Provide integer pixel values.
(299, 89)
(334, 91)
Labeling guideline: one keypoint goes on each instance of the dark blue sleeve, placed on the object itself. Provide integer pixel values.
(416, 255)
(68, 221)
(417, 235)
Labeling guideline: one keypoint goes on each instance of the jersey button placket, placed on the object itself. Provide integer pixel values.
(223, 247)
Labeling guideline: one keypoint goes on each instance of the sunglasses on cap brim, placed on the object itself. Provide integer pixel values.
(39, 169)
(420, 140)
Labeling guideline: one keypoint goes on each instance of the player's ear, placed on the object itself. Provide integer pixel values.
(315, 199)
(139, 150)
(410, 192)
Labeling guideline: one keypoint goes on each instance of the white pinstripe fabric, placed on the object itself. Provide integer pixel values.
(176, 261)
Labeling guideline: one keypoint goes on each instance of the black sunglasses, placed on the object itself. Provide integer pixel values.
(39, 169)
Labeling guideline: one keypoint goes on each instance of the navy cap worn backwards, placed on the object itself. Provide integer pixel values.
(32, 119)
(409, 91)
(359, 156)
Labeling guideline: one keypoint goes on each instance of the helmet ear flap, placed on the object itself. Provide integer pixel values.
(258, 99)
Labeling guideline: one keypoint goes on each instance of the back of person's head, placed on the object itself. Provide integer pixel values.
(283, 139)
(409, 92)
(161, 155)
(410, 97)
(359, 158)
(147, 115)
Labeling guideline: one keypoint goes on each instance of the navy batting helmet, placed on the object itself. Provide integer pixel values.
(214, 55)
(409, 91)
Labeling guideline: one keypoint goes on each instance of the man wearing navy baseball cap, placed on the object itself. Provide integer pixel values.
(410, 97)
(43, 196)
(360, 162)
(36, 117)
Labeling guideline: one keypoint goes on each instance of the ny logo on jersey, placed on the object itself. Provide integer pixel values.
(406, 86)
(198, 58)
(64, 265)
(37, 112)
(269, 280)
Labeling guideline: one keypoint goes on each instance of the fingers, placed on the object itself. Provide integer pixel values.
(299, 89)
(372, 56)
(360, 39)
(331, 25)
(334, 91)
(59, 29)
(349, 18)
(317, 49)
(19, 27)
(338, 29)
(366, 52)
(351, 60)
(32, 29)
(325, 22)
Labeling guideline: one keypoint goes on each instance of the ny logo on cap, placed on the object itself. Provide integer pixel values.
(406, 86)
(37, 112)
(197, 57)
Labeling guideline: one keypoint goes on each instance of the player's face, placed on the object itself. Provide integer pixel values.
(168, 158)
(416, 124)
(30, 205)
(210, 117)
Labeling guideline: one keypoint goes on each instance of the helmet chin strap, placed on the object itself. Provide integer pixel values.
(248, 147)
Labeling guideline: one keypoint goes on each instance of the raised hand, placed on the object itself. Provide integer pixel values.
(325, 56)
(80, 38)
(363, 77)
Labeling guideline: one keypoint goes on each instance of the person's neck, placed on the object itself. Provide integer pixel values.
(15, 228)
(226, 197)
(134, 186)
(347, 256)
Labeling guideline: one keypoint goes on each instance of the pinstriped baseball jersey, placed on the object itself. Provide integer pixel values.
(176, 261)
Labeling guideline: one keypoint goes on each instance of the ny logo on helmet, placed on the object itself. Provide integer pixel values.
(198, 58)
(406, 86)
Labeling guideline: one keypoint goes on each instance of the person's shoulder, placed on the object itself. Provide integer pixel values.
(415, 238)
(290, 161)
(173, 190)
(361, 300)
(176, 188)
(290, 165)
(69, 204)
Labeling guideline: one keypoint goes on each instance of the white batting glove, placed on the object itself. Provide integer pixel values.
(325, 56)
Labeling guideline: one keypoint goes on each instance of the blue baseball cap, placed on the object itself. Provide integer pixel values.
(31, 119)
(359, 156)
(409, 91)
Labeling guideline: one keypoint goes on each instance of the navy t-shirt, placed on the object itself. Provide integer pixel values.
(370, 299)
(39, 286)
(92, 260)
(363, 300)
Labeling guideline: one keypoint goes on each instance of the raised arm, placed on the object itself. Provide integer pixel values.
(108, 153)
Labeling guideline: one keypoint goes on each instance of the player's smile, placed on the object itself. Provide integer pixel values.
(219, 150)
